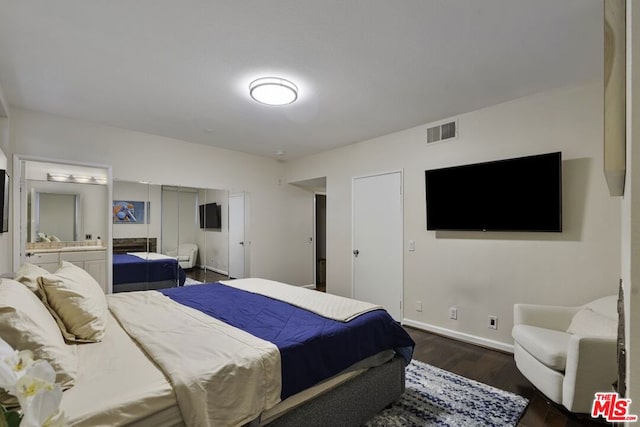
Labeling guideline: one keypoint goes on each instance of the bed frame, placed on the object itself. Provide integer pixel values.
(144, 286)
(352, 403)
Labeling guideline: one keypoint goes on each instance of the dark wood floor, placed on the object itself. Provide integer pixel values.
(204, 276)
(497, 369)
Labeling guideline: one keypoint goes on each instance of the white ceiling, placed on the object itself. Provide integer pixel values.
(364, 68)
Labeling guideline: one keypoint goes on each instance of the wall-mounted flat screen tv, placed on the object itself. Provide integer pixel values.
(210, 216)
(519, 194)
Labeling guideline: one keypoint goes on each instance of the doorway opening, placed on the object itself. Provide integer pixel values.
(320, 230)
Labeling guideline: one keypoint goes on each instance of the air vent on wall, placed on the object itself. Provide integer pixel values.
(442, 132)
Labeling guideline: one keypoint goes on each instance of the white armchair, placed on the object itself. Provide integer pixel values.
(186, 255)
(568, 353)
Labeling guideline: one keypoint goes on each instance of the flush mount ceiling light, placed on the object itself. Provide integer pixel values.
(273, 91)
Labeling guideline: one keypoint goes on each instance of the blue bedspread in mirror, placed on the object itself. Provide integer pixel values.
(130, 269)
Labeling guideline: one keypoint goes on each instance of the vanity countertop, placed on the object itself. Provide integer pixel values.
(66, 249)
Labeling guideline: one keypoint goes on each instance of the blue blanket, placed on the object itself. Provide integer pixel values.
(312, 347)
(130, 269)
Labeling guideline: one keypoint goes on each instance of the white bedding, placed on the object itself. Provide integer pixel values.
(117, 385)
(150, 255)
(201, 372)
(222, 376)
(331, 306)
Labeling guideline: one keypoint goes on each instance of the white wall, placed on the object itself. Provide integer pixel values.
(486, 273)
(6, 239)
(187, 210)
(138, 156)
(480, 273)
(631, 210)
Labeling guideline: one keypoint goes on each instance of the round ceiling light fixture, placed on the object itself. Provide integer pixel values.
(273, 91)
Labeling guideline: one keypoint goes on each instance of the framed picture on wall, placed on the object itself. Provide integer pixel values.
(126, 212)
(4, 199)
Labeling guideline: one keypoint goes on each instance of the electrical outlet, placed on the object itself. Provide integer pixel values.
(418, 305)
(492, 322)
(453, 313)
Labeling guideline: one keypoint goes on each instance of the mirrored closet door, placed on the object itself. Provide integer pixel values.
(180, 238)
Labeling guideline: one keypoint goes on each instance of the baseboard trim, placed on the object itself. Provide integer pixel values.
(215, 270)
(460, 336)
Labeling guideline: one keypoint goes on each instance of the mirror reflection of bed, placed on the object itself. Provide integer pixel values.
(172, 227)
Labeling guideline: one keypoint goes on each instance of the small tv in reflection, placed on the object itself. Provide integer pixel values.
(210, 216)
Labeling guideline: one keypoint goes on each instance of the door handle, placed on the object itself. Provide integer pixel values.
(242, 243)
(356, 252)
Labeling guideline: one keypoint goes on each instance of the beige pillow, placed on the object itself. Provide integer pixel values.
(25, 324)
(77, 302)
(28, 275)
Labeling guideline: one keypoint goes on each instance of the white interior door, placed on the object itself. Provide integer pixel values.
(377, 241)
(237, 244)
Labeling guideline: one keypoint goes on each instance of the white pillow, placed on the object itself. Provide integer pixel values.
(587, 322)
(25, 324)
(77, 302)
(28, 275)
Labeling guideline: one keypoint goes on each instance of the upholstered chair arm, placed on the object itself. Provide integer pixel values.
(591, 367)
(544, 316)
(193, 252)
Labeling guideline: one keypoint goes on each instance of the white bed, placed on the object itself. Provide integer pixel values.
(161, 363)
(119, 385)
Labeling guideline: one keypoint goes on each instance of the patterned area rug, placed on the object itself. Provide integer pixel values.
(435, 397)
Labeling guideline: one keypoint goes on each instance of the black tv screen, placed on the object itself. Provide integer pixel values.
(210, 216)
(520, 194)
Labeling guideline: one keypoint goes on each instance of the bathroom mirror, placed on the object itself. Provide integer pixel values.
(175, 226)
(53, 217)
